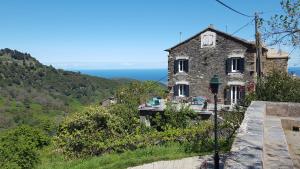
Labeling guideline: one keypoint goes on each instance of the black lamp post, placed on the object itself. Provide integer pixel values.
(214, 87)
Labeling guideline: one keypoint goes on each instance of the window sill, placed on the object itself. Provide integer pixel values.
(181, 73)
(236, 74)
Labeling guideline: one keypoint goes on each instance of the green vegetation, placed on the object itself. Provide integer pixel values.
(117, 160)
(95, 131)
(100, 137)
(278, 86)
(63, 107)
(283, 27)
(39, 95)
(174, 118)
(19, 147)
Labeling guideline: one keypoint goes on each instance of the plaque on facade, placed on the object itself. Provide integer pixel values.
(208, 39)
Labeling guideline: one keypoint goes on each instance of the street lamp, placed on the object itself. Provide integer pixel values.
(214, 87)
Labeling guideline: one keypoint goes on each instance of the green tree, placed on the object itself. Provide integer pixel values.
(278, 86)
(284, 28)
(137, 93)
(19, 147)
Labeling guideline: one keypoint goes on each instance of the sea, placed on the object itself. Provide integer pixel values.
(159, 75)
(295, 70)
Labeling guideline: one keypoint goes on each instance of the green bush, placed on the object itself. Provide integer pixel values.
(231, 122)
(84, 134)
(19, 147)
(173, 117)
(128, 115)
(81, 133)
(278, 86)
(137, 93)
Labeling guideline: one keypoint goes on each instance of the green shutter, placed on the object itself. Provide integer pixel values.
(187, 90)
(186, 66)
(175, 90)
(242, 65)
(175, 66)
(228, 65)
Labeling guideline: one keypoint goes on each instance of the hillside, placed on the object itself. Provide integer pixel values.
(36, 94)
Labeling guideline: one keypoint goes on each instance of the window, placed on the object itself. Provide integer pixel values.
(181, 65)
(181, 90)
(235, 65)
(236, 94)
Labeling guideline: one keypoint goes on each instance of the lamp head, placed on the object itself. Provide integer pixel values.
(214, 84)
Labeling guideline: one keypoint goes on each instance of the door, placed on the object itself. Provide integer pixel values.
(235, 94)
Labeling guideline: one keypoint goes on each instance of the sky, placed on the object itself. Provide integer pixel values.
(117, 34)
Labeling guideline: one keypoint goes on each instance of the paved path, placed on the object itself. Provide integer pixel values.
(198, 162)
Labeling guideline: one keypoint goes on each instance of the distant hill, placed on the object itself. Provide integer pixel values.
(36, 94)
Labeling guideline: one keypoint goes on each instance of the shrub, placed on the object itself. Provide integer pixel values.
(231, 122)
(278, 86)
(173, 117)
(84, 132)
(128, 115)
(137, 93)
(97, 130)
(18, 147)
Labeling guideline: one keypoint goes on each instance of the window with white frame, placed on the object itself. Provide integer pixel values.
(181, 90)
(235, 65)
(180, 65)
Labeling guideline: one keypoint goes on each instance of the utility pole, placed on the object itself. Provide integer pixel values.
(258, 46)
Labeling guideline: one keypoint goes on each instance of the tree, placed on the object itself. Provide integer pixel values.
(278, 86)
(284, 28)
(137, 93)
(19, 147)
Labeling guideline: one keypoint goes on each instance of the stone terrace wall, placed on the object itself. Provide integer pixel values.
(261, 141)
(247, 149)
(283, 109)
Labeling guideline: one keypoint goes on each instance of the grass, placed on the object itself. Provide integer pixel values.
(172, 151)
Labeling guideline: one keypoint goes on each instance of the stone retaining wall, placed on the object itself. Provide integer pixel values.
(261, 141)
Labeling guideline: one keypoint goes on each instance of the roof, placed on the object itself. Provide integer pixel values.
(211, 28)
(276, 54)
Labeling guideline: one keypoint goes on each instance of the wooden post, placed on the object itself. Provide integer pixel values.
(258, 46)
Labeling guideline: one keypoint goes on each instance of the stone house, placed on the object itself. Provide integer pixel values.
(193, 62)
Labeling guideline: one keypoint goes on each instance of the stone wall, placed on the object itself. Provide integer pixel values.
(261, 141)
(279, 64)
(205, 62)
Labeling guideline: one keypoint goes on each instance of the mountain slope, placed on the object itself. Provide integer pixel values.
(33, 93)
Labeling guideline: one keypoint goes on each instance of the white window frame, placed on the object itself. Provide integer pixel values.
(234, 65)
(235, 94)
(181, 65)
(181, 90)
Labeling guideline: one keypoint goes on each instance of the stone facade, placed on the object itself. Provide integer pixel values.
(275, 60)
(204, 59)
(204, 62)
